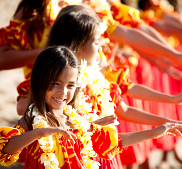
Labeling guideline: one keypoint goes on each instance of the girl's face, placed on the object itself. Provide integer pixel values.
(63, 90)
(90, 51)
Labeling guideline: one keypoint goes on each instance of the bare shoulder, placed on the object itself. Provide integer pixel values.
(19, 14)
(24, 123)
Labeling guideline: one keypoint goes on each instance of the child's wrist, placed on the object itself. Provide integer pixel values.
(40, 132)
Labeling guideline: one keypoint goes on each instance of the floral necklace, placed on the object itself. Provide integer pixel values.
(48, 157)
(99, 88)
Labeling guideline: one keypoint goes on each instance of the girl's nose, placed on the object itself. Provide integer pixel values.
(63, 91)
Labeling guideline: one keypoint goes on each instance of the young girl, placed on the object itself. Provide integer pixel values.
(55, 136)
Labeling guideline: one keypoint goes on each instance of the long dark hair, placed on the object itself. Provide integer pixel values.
(144, 4)
(72, 29)
(34, 12)
(47, 68)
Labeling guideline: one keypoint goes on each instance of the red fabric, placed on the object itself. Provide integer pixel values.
(23, 89)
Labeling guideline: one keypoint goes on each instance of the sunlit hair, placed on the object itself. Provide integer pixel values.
(47, 68)
(34, 12)
(72, 29)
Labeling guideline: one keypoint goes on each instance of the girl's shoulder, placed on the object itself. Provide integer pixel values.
(23, 124)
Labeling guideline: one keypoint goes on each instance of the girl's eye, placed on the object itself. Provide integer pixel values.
(56, 84)
(71, 86)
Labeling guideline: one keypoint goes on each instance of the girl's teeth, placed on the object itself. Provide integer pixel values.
(58, 99)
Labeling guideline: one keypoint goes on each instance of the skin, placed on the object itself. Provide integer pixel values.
(62, 91)
(89, 51)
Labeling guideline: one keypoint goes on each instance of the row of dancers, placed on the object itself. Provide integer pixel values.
(86, 63)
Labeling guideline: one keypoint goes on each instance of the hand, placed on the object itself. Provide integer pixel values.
(168, 129)
(178, 99)
(164, 65)
(105, 120)
(48, 131)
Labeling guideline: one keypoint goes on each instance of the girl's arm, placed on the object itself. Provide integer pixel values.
(11, 58)
(145, 93)
(168, 28)
(153, 33)
(131, 114)
(16, 143)
(129, 139)
(145, 43)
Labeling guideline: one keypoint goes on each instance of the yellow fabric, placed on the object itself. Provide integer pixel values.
(58, 151)
(113, 137)
(128, 14)
(7, 159)
(37, 44)
(111, 23)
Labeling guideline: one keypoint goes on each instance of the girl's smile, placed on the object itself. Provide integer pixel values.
(63, 89)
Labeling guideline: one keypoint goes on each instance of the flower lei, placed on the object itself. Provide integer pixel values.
(48, 157)
(100, 5)
(99, 89)
(73, 2)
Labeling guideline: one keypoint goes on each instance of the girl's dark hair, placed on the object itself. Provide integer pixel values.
(175, 4)
(72, 29)
(46, 70)
(144, 4)
(34, 13)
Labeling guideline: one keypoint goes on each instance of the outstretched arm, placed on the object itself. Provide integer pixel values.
(141, 41)
(170, 28)
(145, 93)
(11, 58)
(129, 139)
(132, 114)
(153, 33)
(16, 143)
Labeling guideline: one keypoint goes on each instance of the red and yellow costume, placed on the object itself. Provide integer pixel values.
(126, 15)
(105, 140)
(16, 35)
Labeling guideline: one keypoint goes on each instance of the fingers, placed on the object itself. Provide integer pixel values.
(69, 136)
(174, 132)
(106, 120)
(72, 137)
(173, 129)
